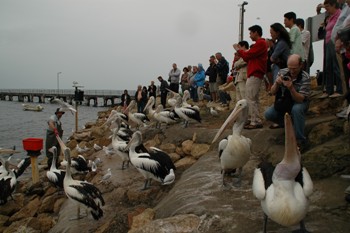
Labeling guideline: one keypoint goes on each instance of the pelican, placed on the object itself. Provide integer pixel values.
(149, 108)
(164, 116)
(55, 175)
(8, 182)
(284, 190)
(64, 105)
(82, 192)
(78, 165)
(138, 118)
(155, 164)
(119, 146)
(114, 115)
(235, 150)
(185, 97)
(186, 113)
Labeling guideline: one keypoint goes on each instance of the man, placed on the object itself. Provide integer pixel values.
(163, 90)
(212, 73)
(54, 129)
(125, 99)
(152, 91)
(307, 44)
(222, 69)
(294, 34)
(174, 78)
(296, 82)
(256, 57)
(240, 66)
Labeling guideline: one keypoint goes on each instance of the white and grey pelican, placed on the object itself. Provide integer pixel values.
(235, 150)
(64, 106)
(119, 147)
(155, 164)
(186, 113)
(81, 192)
(164, 116)
(186, 96)
(149, 108)
(138, 118)
(114, 115)
(55, 175)
(8, 182)
(284, 190)
(78, 164)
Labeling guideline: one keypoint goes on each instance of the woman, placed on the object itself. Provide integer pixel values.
(141, 98)
(281, 49)
(185, 85)
(199, 80)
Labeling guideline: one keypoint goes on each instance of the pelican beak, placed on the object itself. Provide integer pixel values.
(291, 147)
(231, 118)
(63, 147)
(129, 144)
(147, 105)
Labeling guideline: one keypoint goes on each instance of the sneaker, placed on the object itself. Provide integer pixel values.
(335, 94)
(342, 114)
(324, 95)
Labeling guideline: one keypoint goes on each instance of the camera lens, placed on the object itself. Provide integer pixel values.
(286, 78)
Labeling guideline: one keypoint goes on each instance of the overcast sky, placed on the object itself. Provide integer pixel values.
(118, 44)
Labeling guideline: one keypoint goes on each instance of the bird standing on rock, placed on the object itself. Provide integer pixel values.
(235, 150)
(284, 190)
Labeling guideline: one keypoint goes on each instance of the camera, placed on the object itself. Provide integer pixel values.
(286, 78)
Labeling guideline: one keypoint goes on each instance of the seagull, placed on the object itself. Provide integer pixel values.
(213, 111)
(155, 164)
(235, 150)
(97, 147)
(105, 178)
(109, 151)
(81, 150)
(64, 105)
(284, 190)
(81, 192)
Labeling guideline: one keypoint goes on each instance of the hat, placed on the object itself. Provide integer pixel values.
(59, 110)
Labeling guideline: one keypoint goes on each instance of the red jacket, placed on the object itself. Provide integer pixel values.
(256, 57)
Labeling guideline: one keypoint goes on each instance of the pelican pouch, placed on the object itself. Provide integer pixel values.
(283, 100)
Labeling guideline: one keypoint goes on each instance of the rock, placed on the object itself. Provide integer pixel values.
(179, 223)
(13, 206)
(58, 204)
(141, 219)
(324, 132)
(28, 211)
(174, 157)
(22, 226)
(198, 150)
(185, 162)
(134, 213)
(97, 132)
(3, 221)
(187, 146)
(168, 147)
(48, 203)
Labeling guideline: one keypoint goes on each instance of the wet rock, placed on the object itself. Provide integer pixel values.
(180, 223)
(13, 206)
(324, 132)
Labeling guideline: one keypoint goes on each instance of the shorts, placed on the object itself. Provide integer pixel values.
(213, 87)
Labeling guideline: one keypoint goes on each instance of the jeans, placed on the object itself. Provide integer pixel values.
(332, 72)
(298, 116)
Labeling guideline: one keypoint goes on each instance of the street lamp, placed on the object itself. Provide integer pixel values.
(241, 20)
(58, 83)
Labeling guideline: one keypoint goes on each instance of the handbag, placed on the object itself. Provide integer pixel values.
(283, 100)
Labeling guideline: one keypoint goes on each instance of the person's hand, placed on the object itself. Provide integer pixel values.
(55, 131)
(318, 8)
(236, 46)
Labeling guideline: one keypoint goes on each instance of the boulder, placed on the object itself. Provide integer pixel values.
(198, 150)
(185, 162)
(28, 211)
(140, 220)
(187, 146)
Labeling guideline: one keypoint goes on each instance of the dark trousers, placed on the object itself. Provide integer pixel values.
(174, 87)
(163, 96)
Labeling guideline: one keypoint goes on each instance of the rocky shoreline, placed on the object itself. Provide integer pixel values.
(195, 202)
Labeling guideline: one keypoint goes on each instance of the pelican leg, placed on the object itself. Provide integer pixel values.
(78, 214)
(238, 182)
(265, 223)
(147, 184)
(123, 167)
(302, 228)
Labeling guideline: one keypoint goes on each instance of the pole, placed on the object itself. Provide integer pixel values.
(58, 83)
(76, 108)
(241, 20)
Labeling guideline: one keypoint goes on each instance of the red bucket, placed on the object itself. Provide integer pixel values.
(33, 144)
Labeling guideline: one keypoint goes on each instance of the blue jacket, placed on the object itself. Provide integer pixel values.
(200, 76)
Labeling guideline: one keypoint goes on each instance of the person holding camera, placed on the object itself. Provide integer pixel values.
(291, 90)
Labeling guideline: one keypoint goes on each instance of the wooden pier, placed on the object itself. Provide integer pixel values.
(109, 97)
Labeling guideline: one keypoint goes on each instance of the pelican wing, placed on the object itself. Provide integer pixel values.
(305, 181)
